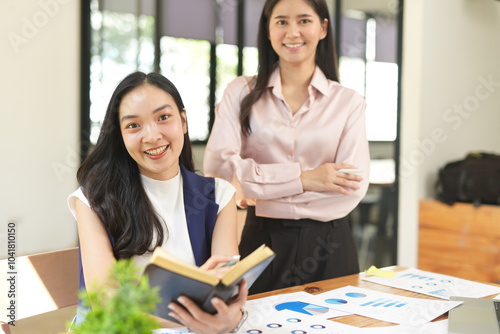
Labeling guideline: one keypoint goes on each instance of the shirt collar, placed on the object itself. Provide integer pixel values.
(319, 81)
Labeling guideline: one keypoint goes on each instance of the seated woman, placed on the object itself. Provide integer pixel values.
(138, 190)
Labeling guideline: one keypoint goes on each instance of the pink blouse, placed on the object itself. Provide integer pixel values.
(265, 167)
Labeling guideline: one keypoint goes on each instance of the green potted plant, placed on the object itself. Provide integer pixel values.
(122, 305)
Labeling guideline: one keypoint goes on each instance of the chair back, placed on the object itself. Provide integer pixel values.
(43, 282)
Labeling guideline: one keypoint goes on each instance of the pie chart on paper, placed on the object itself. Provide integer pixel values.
(336, 301)
(301, 307)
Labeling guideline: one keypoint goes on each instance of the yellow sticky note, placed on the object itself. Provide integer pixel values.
(374, 271)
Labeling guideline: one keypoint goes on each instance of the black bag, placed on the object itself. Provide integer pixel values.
(475, 179)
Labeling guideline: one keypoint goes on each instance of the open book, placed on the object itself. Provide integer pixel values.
(175, 277)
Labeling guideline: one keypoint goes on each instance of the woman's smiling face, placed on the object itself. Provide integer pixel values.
(295, 30)
(152, 129)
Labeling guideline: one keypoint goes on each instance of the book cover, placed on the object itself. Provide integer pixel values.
(175, 278)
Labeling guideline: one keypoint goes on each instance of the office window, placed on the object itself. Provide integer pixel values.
(381, 99)
(250, 60)
(121, 43)
(352, 73)
(227, 64)
(368, 65)
(186, 62)
(123, 34)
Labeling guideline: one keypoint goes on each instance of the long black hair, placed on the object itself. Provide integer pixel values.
(326, 58)
(110, 178)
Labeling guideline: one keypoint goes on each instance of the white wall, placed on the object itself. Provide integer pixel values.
(39, 108)
(450, 97)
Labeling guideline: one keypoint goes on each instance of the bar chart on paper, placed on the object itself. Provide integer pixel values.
(436, 285)
(379, 302)
(382, 302)
(382, 306)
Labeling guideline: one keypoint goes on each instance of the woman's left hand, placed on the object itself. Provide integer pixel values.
(329, 177)
(199, 321)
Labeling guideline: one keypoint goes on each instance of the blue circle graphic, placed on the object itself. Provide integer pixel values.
(355, 295)
(336, 301)
(294, 320)
(274, 325)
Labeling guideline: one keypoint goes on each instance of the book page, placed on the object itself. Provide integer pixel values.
(165, 260)
(251, 261)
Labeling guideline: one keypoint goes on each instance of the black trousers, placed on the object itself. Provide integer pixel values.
(306, 250)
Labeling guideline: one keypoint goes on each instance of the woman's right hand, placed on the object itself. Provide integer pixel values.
(327, 177)
(217, 265)
(199, 321)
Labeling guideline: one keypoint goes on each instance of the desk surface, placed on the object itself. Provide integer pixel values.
(354, 280)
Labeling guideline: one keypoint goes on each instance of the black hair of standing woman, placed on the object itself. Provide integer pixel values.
(326, 58)
(110, 178)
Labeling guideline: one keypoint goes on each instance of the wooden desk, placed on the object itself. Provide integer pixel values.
(354, 280)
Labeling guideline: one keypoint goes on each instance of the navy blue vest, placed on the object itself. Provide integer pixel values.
(201, 214)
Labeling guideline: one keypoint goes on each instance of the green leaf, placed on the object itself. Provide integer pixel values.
(122, 305)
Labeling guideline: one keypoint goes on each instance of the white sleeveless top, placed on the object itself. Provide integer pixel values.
(168, 201)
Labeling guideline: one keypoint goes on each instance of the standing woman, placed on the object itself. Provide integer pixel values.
(283, 138)
(138, 191)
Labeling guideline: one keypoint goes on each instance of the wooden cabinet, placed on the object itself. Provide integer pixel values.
(460, 240)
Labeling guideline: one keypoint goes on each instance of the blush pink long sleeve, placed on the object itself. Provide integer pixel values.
(265, 167)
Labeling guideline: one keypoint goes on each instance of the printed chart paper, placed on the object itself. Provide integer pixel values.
(438, 327)
(287, 305)
(298, 324)
(286, 313)
(384, 306)
(305, 327)
(301, 312)
(436, 285)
